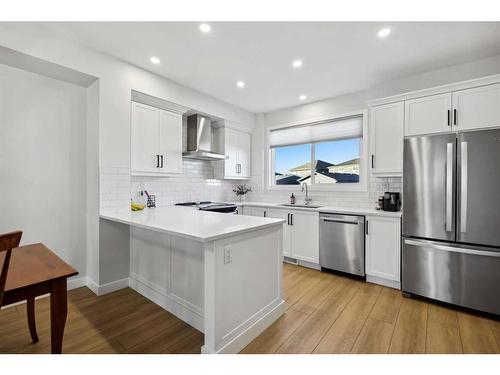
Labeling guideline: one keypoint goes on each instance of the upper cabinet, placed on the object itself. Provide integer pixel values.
(468, 109)
(430, 114)
(476, 108)
(386, 133)
(236, 145)
(156, 141)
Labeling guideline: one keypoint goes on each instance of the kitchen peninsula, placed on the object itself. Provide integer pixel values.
(220, 273)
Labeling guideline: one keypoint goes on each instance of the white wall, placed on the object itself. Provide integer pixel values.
(335, 106)
(116, 81)
(43, 162)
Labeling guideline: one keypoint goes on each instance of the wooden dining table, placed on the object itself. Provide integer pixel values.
(34, 271)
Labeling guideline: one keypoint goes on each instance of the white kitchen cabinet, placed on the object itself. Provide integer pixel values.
(170, 147)
(428, 115)
(300, 234)
(156, 141)
(383, 250)
(386, 133)
(256, 211)
(287, 229)
(305, 236)
(236, 145)
(476, 108)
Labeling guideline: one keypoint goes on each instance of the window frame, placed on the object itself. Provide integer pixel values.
(361, 186)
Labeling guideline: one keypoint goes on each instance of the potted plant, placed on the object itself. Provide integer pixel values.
(241, 190)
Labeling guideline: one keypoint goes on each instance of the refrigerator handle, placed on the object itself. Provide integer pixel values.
(463, 187)
(449, 186)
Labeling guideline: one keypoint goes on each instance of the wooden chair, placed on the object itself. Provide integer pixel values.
(8, 242)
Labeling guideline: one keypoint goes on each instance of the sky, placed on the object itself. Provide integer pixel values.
(334, 152)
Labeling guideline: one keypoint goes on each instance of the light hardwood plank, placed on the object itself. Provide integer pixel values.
(443, 333)
(411, 328)
(387, 307)
(269, 340)
(476, 333)
(342, 334)
(309, 333)
(374, 338)
(495, 327)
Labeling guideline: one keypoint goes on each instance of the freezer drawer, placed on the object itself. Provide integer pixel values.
(461, 275)
(342, 243)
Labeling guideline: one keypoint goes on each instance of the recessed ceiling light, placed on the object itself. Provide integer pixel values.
(302, 97)
(382, 33)
(205, 28)
(297, 64)
(240, 84)
(154, 60)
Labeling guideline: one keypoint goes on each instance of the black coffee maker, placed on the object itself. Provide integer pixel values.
(392, 201)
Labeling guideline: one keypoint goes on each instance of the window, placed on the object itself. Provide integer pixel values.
(323, 153)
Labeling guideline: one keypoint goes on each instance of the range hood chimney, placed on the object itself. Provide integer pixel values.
(199, 139)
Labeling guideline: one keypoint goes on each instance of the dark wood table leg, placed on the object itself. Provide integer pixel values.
(30, 308)
(58, 313)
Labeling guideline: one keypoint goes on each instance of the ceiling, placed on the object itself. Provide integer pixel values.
(338, 57)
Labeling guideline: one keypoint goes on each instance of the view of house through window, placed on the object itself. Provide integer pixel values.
(335, 162)
(318, 153)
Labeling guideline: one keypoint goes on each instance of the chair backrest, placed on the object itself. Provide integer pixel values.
(8, 241)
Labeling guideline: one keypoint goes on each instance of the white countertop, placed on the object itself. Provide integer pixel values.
(329, 209)
(193, 224)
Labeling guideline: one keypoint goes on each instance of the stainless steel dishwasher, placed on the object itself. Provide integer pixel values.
(342, 243)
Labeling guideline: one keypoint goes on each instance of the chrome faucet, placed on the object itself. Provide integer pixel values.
(307, 199)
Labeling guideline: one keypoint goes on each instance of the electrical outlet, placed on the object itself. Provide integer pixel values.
(227, 256)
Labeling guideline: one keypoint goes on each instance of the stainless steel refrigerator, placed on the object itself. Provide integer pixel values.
(451, 218)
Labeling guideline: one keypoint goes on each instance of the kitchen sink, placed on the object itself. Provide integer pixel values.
(300, 205)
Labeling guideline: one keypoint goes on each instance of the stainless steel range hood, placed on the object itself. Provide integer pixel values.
(199, 139)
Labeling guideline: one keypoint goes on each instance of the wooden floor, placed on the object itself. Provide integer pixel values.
(325, 313)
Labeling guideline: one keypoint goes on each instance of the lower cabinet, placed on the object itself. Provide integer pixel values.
(300, 234)
(383, 250)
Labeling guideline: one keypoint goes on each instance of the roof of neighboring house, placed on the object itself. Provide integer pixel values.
(288, 180)
(338, 177)
(320, 164)
(348, 162)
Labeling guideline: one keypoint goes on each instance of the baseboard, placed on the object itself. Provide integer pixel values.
(384, 282)
(72, 284)
(314, 266)
(107, 288)
(185, 314)
(248, 335)
(77, 283)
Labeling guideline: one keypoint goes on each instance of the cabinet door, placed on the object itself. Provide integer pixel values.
(255, 211)
(477, 108)
(283, 214)
(428, 115)
(171, 142)
(383, 247)
(144, 138)
(230, 150)
(305, 236)
(244, 154)
(387, 139)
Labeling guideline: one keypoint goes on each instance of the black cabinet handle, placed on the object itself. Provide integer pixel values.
(366, 227)
(455, 116)
(373, 161)
(265, 213)
(449, 118)
(288, 219)
(161, 161)
(157, 161)
(291, 219)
